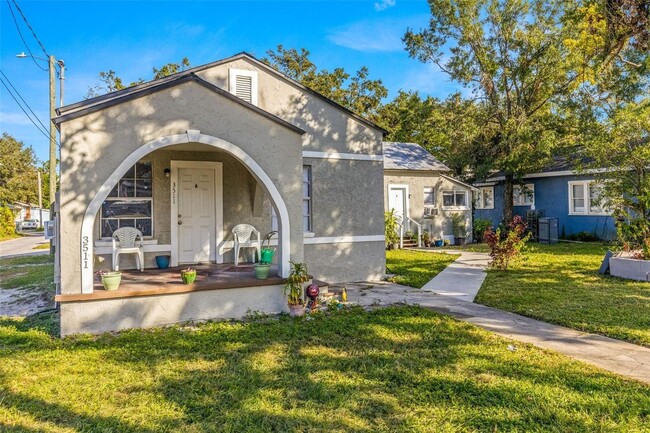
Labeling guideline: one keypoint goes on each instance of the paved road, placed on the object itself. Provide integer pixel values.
(452, 292)
(22, 246)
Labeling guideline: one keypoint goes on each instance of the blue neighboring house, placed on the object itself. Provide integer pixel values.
(557, 191)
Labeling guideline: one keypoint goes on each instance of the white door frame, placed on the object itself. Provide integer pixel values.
(405, 187)
(218, 206)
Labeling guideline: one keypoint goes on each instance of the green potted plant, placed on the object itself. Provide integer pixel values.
(459, 227)
(426, 240)
(293, 288)
(391, 224)
(188, 275)
(111, 279)
(261, 270)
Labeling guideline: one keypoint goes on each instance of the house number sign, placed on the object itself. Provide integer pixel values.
(84, 251)
(173, 192)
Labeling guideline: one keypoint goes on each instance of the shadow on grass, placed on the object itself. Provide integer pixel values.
(395, 369)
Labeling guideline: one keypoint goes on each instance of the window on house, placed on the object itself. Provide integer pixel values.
(429, 196)
(243, 84)
(485, 198)
(523, 196)
(454, 199)
(584, 198)
(306, 202)
(130, 203)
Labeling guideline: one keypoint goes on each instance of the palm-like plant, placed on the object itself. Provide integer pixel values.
(293, 287)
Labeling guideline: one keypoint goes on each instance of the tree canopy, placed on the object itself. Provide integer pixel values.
(18, 172)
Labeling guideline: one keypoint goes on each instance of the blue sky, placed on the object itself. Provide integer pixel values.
(132, 37)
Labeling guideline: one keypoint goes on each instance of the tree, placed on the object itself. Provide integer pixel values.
(111, 82)
(357, 93)
(18, 178)
(511, 53)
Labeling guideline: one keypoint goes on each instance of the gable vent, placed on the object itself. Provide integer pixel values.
(243, 84)
(244, 88)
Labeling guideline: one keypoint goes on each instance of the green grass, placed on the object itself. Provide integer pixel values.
(43, 246)
(11, 236)
(27, 271)
(399, 369)
(560, 284)
(474, 248)
(415, 268)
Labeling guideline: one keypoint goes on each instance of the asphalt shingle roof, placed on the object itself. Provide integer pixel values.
(410, 156)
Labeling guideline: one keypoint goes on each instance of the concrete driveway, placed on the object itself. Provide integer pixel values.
(23, 246)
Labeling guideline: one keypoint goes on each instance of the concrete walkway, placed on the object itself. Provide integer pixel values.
(23, 246)
(452, 292)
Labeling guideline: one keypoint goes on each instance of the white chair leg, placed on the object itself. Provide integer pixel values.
(116, 262)
(141, 261)
(236, 254)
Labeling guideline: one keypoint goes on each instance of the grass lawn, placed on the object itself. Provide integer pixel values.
(560, 284)
(399, 369)
(26, 272)
(415, 268)
(474, 248)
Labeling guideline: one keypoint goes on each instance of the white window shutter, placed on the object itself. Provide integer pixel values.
(243, 84)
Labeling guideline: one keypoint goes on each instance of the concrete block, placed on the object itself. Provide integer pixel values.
(631, 269)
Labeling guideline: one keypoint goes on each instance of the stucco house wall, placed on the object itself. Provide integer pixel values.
(439, 225)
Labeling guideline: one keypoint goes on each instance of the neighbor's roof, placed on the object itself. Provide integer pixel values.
(119, 95)
(410, 156)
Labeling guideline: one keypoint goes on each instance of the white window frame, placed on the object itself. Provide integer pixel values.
(585, 184)
(127, 199)
(232, 82)
(455, 206)
(310, 228)
(480, 202)
(530, 187)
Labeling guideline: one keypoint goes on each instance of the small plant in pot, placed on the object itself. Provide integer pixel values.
(188, 275)
(426, 240)
(110, 279)
(293, 288)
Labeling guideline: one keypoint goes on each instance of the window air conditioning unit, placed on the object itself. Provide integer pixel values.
(430, 212)
(49, 230)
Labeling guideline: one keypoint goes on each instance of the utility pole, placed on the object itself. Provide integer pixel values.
(40, 198)
(52, 131)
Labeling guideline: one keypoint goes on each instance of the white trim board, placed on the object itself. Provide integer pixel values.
(337, 155)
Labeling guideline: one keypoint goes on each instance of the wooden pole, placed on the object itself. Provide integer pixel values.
(52, 131)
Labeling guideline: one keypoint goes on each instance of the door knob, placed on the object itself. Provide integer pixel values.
(180, 223)
(179, 215)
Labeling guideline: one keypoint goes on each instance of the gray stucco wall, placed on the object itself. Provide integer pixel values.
(344, 262)
(95, 145)
(438, 225)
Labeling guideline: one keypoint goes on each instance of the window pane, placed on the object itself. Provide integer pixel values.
(429, 197)
(305, 224)
(127, 223)
(144, 225)
(126, 209)
(595, 205)
(143, 188)
(108, 227)
(488, 198)
(126, 188)
(578, 191)
(306, 173)
(305, 208)
(461, 199)
(448, 199)
(115, 191)
(143, 170)
(130, 174)
(305, 189)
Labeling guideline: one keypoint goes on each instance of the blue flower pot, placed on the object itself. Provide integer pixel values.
(162, 262)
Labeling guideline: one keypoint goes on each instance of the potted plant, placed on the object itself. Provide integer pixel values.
(459, 227)
(293, 288)
(188, 275)
(111, 279)
(426, 240)
(262, 270)
(391, 225)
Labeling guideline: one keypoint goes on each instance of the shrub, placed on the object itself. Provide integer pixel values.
(583, 237)
(480, 226)
(7, 224)
(390, 228)
(505, 247)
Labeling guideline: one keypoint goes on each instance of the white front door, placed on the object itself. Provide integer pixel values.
(196, 215)
(397, 200)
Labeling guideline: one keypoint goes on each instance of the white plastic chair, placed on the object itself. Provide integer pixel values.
(127, 237)
(243, 234)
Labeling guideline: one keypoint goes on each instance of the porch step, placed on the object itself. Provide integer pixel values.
(410, 243)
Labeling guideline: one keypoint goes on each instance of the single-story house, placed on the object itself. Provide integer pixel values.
(557, 191)
(27, 211)
(420, 189)
(187, 157)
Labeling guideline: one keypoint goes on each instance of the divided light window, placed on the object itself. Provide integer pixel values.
(243, 84)
(306, 202)
(523, 196)
(584, 199)
(130, 203)
(454, 199)
(485, 198)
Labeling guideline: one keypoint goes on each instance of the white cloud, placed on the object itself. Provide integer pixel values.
(384, 4)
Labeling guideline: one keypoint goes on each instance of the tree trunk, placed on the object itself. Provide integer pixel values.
(508, 204)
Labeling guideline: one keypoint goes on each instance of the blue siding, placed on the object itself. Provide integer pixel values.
(552, 197)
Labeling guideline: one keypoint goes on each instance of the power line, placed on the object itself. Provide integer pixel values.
(23, 110)
(31, 55)
(30, 28)
(23, 99)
